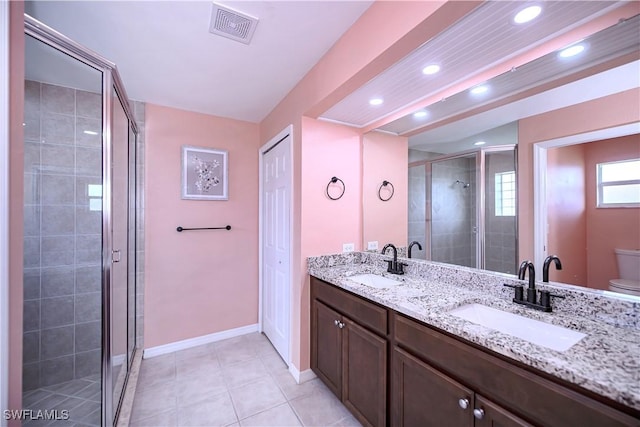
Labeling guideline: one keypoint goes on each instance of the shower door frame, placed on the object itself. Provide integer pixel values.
(4, 208)
(480, 189)
(110, 81)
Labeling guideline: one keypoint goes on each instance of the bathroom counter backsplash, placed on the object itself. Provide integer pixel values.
(606, 361)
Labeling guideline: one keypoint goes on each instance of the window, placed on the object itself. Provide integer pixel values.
(506, 193)
(618, 184)
(94, 191)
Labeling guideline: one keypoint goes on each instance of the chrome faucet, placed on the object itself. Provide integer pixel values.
(547, 263)
(411, 245)
(394, 267)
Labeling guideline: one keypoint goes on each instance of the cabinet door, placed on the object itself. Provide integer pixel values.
(364, 374)
(326, 346)
(423, 396)
(488, 414)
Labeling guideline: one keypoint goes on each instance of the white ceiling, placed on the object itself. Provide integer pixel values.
(166, 55)
(460, 135)
(480, 40)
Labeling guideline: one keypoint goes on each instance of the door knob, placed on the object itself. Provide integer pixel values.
(463, 403)
(478, 413)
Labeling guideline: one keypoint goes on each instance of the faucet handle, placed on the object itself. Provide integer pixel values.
(400, 269)
(519, 292)
(390, 266)
(545, 299)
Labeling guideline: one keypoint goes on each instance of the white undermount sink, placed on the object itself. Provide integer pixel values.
(536, 332)
(374, 281)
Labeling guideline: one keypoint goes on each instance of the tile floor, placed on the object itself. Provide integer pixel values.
(237, 382)
(80, 397)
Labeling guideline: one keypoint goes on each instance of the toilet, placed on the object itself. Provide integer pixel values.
(629, 270)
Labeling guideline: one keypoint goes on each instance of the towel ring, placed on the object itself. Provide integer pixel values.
(335, 179)
(384, 185)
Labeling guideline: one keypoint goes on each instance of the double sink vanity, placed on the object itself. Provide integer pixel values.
(447, 346)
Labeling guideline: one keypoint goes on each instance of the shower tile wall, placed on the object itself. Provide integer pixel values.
(500, 231)
(417, 209)
(63, 220)
(453, 212)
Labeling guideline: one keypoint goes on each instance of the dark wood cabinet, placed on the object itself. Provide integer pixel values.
(434, 378)
(492, 415)
(364, 373)
(327, 354)
(423, 396)
(352, 361)
(535, 398)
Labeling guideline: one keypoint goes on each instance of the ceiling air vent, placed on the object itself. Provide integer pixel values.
(232, 24)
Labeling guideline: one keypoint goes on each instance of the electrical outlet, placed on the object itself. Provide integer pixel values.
(372, 246)
(348, 247)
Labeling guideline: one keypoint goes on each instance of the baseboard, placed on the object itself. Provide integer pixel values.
(201, 340)
(119, 359)
(301, 377)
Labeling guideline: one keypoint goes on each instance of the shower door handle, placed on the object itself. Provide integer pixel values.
(115, 256)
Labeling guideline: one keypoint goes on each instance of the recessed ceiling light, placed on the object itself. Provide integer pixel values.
(376, 101)
(420, 114)
(571, 51)
(431, 69)
(479, 89)
(90, 132)
(527, 14)
(479, 143)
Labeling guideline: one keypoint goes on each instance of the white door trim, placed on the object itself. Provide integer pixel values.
(4, 209)
(266, 147)
(540, 177)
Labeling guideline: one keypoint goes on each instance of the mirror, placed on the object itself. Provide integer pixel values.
(591, 95)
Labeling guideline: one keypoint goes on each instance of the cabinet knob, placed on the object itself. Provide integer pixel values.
(336, 322)
(463, 403)
(478, 413)
(340, 325)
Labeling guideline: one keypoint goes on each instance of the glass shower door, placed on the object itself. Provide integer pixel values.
(418, 210)
(122, 240)
(63, 200)
(500, 247)
(453, 211)
(80, 229)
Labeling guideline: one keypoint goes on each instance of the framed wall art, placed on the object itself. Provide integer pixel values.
(205, 173)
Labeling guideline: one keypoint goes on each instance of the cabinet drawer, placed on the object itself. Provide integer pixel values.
(539, 400)
(363, 312)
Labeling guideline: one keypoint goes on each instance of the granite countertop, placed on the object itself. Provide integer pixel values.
(606, 361)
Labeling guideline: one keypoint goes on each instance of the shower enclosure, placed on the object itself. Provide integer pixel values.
(79, 208)
(463, 207)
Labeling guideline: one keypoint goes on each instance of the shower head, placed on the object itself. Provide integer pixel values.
(464, 184)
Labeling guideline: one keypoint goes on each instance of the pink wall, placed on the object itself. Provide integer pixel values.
(327, 150)
(16, 165)
(326, 223)
(385, 157)
(610, 111)
(608, 228)
(386, 32)
(198, 282)
(567, 215)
